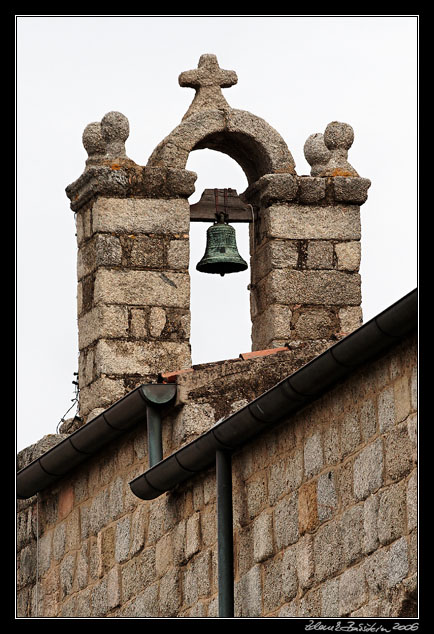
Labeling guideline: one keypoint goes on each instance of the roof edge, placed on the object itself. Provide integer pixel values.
(286, 397)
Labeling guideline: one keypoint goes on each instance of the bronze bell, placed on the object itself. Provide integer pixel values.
(221, 253)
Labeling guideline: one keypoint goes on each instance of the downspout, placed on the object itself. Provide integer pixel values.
(156, 396)
(225, 542)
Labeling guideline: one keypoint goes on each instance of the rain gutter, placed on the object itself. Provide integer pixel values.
(145, 401)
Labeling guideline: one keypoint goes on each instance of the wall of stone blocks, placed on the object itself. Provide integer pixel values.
(133, 294)
(325, 518)
(305, 258)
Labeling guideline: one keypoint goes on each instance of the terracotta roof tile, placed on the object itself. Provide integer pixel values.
(170, 377)
(261, 353)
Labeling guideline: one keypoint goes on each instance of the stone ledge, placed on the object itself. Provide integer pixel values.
(124, 179)
(309, 190)
(32, 452)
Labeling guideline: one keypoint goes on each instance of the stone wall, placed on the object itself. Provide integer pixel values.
(305, 247)
(325, 509)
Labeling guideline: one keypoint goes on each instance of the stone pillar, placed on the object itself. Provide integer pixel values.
(305, 247)
(133, 257)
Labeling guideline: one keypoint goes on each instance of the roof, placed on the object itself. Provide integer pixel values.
(286, 397)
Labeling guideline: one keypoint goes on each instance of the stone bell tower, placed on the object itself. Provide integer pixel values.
(133, 239)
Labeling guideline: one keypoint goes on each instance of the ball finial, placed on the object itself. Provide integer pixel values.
(327, 153)
(316, 153)
(93, 142)
(115, 129)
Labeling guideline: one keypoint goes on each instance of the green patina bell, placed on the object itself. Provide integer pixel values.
(221, 253)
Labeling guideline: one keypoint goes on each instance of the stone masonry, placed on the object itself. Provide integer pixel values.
(133, 257)
(133, 240)
(325, 504)
(305, 248)
(325, 511)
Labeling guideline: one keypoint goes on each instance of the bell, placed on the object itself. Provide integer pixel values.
(221, 253)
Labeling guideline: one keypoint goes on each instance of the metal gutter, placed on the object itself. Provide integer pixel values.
(285, 398)
(81, 444)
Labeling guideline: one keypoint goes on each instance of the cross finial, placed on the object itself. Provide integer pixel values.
(208, 80)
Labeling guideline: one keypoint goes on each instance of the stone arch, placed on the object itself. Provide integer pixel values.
(249, 140)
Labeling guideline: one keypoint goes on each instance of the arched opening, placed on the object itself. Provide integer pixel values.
(220, 306)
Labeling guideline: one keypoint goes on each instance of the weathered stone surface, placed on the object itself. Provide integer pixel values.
(277, 188)
(320, 255)
(412, 501)
(275, 254)
(398, 562)
(330, 598)
(157, 321)
(313, 324)
(368, 467)
(248, 594)
(307, 507)
(350, 433)
(101, 393)
(289, 573)
(352, 590)
(316, 153)
(141, 215)
(286, 522)
(273, 323)
(163, 554)
(352, 534)
(313, 454)
(308, 287)
(143, 251)
(122, 539)
(32, 452)
(312, 223)
(328, 550)
(272, 586)
(391, 513)
(348, 256)
(138, 288)
(350, 318)
(178, 254)
(169, 594)
(67, 574)
(285, 476)
(196, 578)
(311, 189)
(102, 322)
(351, 190)
(133, 357)
(263, 537)
(195, 418)
(386, 408)
(368, 419)
(398, 452)
(327, 500)
(305, 561)
(370, 518)
(192, 542)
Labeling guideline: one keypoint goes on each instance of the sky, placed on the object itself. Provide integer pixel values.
(298, 73)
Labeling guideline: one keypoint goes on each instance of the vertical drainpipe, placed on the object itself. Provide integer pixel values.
(156, 395)
(225, 533)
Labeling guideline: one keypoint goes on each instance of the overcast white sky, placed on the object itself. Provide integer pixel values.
(297, 72)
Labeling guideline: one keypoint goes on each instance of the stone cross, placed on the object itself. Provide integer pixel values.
(208, 80)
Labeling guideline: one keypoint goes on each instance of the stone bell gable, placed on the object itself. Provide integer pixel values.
(279, 483)
(133, 239)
